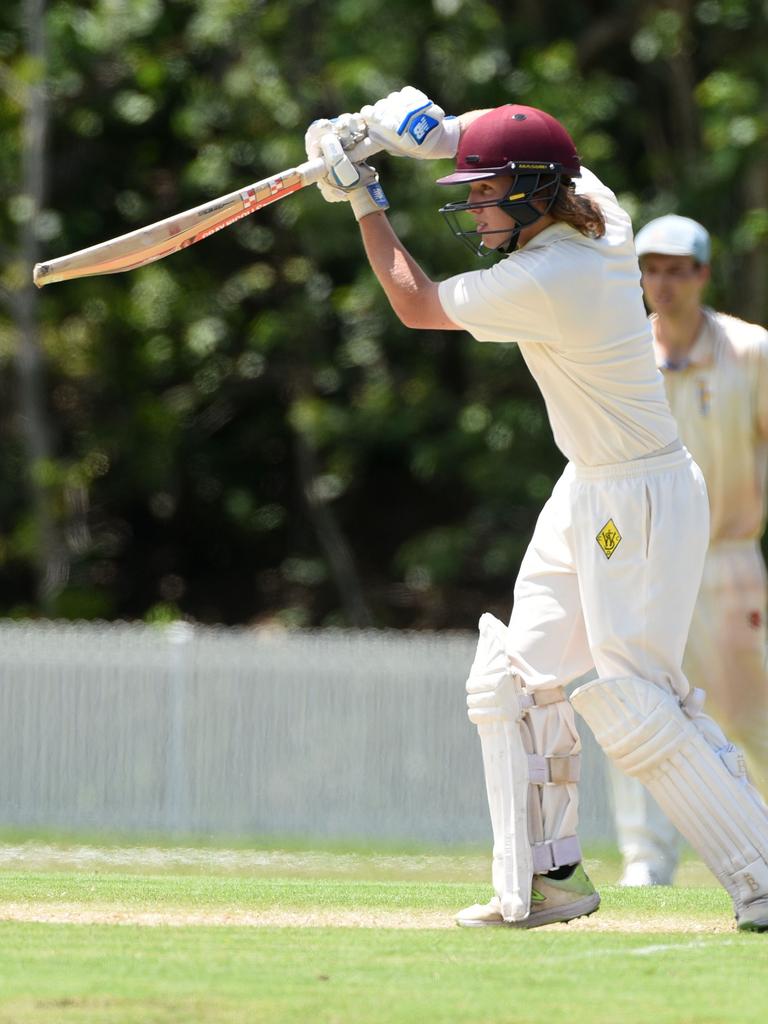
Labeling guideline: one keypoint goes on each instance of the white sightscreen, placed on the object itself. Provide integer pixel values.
(234, 732)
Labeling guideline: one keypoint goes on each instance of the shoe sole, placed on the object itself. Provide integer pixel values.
(481, 924)
(560, 915)
(557, 915)
(753, 926)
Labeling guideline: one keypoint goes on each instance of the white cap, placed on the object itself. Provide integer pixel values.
(674, 236)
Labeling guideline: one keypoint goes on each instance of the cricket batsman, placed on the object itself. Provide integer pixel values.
(715, 370)
(612, 571)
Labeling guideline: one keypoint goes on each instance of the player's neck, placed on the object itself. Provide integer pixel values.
(676, 335)
(526, 234)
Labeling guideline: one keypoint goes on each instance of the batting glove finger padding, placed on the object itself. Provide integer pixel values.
(357, 184)
(341, 170)
(408, 123)
(368, 195)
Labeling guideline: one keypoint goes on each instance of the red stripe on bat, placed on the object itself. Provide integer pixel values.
(248, 207)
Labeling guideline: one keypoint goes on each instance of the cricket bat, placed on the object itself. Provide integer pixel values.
(156, 241)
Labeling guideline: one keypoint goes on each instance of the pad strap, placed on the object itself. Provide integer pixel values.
(555, 770)
(556, 853)
(541, 698)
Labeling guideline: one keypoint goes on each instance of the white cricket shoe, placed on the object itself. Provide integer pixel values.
(639, 872)
(481, 915)
(552, 900)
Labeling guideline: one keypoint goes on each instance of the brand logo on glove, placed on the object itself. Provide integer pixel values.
(420, 129)
(376, 192)
(608, 539)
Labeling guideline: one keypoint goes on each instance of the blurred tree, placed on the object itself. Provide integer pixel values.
(243, 432)
(39, 530)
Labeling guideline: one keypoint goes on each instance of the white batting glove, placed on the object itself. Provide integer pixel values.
(408, 123)
(325, 139)
(345, 182)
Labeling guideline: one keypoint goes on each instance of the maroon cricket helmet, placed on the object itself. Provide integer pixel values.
(513, 139)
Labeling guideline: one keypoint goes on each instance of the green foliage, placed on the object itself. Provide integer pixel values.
(181, 394)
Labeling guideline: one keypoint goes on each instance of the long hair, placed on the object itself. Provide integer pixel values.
(580, 212)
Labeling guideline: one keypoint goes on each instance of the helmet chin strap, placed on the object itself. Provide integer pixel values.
(511, 243)
(524, 215)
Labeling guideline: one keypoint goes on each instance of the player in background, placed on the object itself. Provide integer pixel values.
(612, 571)
(715, 371)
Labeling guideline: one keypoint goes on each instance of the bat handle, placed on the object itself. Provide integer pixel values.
(313, 170)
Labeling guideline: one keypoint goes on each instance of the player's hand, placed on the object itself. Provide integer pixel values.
(357, 184)
(408, 123)
(325, 139)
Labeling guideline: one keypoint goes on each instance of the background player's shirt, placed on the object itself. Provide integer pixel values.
(719, 397)
(574, 306)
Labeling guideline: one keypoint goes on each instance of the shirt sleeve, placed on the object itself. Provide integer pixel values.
(501, 303)
(590, 185)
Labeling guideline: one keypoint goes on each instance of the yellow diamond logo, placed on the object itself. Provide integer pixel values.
(609, 538)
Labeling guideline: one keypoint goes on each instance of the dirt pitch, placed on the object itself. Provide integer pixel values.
(73, 913)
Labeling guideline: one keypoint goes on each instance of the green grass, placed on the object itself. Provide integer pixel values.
(205, 892)
(129, 974)
(265, 858)
(380, 977)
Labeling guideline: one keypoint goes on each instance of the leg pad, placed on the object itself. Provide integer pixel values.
(695, 775)
(531, 761)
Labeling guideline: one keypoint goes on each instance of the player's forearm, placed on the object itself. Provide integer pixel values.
(413, 296)
(465, 120)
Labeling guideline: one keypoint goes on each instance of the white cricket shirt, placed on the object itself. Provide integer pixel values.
(719, 398)
(574, 306)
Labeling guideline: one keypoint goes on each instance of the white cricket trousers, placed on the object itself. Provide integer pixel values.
(609, 582)
(611, 574)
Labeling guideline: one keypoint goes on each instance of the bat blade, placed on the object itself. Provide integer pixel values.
(147, 244)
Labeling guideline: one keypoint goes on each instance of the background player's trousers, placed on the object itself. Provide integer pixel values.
(725, 656)
(726, 651)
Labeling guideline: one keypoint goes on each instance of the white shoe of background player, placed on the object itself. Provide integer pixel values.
(639, 872)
